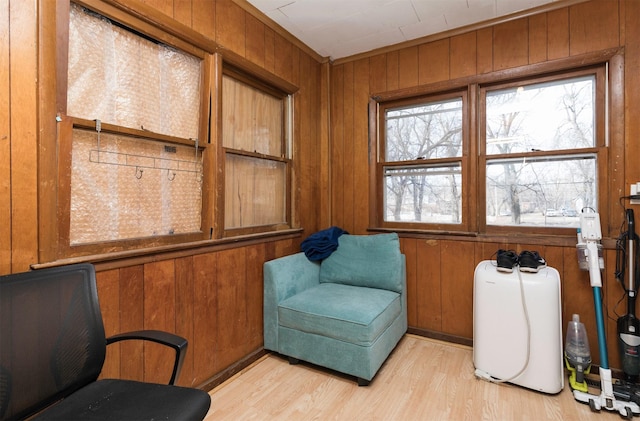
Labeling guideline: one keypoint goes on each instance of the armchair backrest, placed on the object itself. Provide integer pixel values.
(52, 339)
(373, 261)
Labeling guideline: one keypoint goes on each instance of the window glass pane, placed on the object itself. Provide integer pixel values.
(124, 187)
(255, 192)
(425, 131)
(545, 116)
(431, 194)
(121, 78)
(540, 192)
(252, 120)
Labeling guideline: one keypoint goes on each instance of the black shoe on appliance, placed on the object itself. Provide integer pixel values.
(506, 260)
(531, 261)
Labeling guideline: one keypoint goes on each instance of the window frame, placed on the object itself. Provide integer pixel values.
(610, 164)
(275, 87)
(188, 42)
(599, 149)
(463, 160)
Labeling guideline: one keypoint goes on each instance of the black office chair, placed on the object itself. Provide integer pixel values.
(52, 349)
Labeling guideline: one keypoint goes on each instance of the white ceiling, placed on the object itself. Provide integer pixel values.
(341, 28)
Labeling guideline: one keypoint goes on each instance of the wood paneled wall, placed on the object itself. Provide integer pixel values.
(440, 270)
(214, 297)
(211, 295)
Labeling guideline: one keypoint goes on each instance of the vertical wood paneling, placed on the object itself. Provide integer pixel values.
(164, 6)
(182, 12)
(537, 38)
(284, 57)
(159, 314)
(593, 26)
(378, 73)
(484, 57)
(230, 26)
(632, 94)
(408, 248)
(337, 145)
(231, 297)
(253, 323)
(5, 144)
(204, 17)
(255, 40)
(350, 159)
(456, 275)
(462, 53)
(269, 49)
(361, 147)
(24, 150)
(558, 34)
(430, 285)
(131, 315)
(308, 156)
(408, 67)
(205, 319)
(393, 70)
(433, 62)
(185, 298)
(510, 44)
(109, 295)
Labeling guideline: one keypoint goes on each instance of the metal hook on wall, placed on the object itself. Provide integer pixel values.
(138, 173)
(172, 177)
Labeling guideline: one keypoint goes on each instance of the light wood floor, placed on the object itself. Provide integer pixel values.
(423, 379)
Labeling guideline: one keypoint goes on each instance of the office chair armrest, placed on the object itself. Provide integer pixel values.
(178, 343)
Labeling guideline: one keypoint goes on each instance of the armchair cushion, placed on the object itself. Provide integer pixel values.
(366, 261)
(343, 312)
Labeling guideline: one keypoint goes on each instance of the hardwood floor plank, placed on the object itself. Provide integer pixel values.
(423, 379)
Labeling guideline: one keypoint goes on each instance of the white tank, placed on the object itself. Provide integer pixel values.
(500, 328)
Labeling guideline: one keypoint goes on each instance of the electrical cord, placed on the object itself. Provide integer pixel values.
(528, 322)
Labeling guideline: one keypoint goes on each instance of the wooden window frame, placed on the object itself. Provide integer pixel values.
(274, 88)
(149, 23)
(609, 153)
(599, 149)
(462, 160)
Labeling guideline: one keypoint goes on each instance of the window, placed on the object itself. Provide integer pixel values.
(131, 126)
(540, 150)
(421, 161)
(542, 141)
(256, 153)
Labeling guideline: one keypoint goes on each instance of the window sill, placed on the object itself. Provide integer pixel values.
(145, 255)
(514, 238)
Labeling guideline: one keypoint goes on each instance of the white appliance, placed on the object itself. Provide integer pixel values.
(500, 329)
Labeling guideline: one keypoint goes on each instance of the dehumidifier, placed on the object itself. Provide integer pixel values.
(517, 327)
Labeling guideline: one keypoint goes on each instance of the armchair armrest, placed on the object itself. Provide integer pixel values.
(178, 343)
(284, 277)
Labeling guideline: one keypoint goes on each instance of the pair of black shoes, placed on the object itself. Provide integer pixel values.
(527, 261)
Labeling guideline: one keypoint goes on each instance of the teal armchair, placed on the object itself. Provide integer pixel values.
(346, 313)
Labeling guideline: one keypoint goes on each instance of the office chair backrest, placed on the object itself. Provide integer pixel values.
(52, 340)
